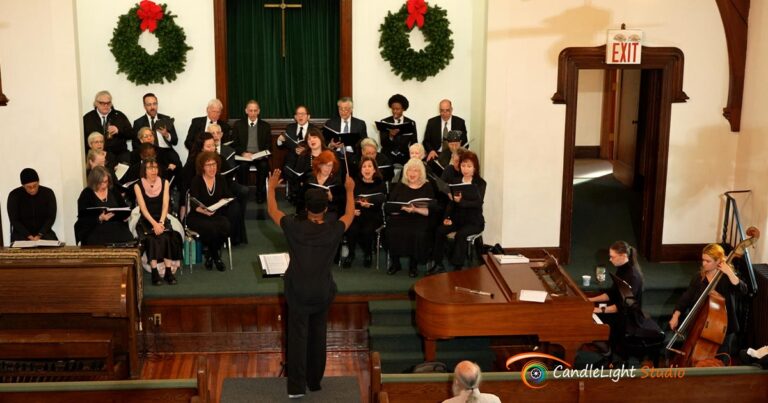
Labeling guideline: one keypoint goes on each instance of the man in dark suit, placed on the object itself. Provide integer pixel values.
(294, 141)
(110, 122)
(438, 128)
(228, 162)
(252, 135)
(198, 125)
(395, 144)
(346, 123)
(165, 137)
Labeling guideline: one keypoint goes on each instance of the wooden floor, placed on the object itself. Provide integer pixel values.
(241, 365)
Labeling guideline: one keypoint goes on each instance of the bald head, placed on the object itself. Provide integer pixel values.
(466, 376)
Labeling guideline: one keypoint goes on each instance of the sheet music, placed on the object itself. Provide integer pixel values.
(35, 244)
(274, 263)
(120, 170)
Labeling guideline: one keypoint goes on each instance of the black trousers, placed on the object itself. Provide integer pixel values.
(459, 252)
(262, 168)
(305, 349)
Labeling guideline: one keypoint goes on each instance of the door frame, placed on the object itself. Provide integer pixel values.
(670, 61)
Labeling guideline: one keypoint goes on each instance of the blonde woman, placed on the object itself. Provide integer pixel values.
(408, 208)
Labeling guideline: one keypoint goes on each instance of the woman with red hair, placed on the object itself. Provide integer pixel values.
(325, 175)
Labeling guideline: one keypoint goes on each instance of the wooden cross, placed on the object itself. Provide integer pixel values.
(282, 6)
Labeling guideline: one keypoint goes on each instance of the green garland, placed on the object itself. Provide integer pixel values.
(408, 63)
(141, 67)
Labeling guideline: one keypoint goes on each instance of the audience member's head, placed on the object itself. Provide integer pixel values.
(466, 377)
(30, 181)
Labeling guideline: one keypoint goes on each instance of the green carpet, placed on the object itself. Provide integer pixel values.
(246, 279)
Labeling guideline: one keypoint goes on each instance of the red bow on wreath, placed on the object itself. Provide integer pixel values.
(416, 11)
(149, 13)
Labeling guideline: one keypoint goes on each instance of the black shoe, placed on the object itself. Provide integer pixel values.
(367, 260)
(347, 262)
(315, 388)
(394, 269)
(208, 263)
(156, 280)
(412, 273)
(169, 277)
(219, 264)
(437, 268)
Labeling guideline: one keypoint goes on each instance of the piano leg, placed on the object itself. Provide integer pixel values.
(430, 349)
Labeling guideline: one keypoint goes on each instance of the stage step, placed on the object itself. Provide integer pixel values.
(393, 334)
(391, 312)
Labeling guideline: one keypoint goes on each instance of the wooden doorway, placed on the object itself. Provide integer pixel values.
(663, 87)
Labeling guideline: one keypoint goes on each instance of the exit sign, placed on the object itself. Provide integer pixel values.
(623, 46)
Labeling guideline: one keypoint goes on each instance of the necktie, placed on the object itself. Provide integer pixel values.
(445, 129)
(253, 124)
(104, 124)
(301, 133)
(346, 127)
(152, 123)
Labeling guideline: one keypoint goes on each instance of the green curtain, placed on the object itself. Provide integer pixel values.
(309, 73)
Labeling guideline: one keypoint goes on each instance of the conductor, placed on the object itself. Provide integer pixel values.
(309, 286)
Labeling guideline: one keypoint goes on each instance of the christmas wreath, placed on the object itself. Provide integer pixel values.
(133, 60)
(396, 48)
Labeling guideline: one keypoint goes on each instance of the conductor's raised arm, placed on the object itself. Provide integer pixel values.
(274, 212)
(349, 210)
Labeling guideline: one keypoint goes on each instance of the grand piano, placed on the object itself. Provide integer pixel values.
(444, 311)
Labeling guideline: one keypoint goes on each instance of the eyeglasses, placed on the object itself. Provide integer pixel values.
(104, 103)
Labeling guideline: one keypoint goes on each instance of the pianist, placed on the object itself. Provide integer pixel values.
(614, 305)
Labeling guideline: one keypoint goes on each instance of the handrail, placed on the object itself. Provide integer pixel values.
(733, 233)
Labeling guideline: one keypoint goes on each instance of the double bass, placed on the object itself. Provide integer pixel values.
(705, 327)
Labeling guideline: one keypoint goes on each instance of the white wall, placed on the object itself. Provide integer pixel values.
(41, 126)
(524, 40)
(184, 98)
(373, 81)
(752, 162)
(590, 110)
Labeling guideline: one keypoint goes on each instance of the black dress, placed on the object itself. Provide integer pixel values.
(407, 233)
(363, 229)
(466, 219)
(215, 229)
(89, 230)
(167, 245)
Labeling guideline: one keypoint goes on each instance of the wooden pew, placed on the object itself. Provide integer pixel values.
(193, 390)
(68, 314)
(737, 384)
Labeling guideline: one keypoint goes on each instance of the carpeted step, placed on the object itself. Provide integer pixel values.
(391, 312)
(394, 338)
(403, 361)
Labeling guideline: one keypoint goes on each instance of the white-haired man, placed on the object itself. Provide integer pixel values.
(198, 125)
(466, 385)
